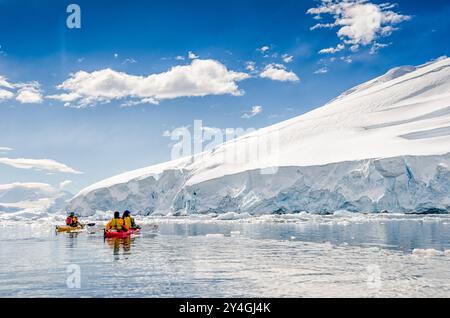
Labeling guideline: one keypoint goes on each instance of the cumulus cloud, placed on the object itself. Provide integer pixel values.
(264, 49)
(4, 82)
(347, 59)
(200, 78)
(29, 93)
(25, 93)
(250, 66)
(278, 72)
(359, 22)
(287, 58)
(253, 112)
(38, 164)
(5, 94)
(376, 47)
(322, 70)
(192, 55)
(332, 50)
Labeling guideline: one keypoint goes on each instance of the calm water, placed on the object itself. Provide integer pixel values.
(363, 256)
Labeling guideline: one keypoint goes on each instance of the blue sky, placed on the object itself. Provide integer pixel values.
(134, 39)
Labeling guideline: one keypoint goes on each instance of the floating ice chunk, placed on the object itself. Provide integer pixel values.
(233, 216)
(344, 213)
(215, 235)
(427, 252)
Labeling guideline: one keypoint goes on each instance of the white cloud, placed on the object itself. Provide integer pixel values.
(27, 185)
(287, 58)
(200, 78)
(332, 50)
(179, 58)
(5, 150)
(250, 66)
(376, 47)
(253, 112)
(29, 93)
(129, 60)
(347, 59)
(192, 55)
(5, 94)
(360, 22)
(278, 72)
(322, 70)
(38, 164)
(64, 184)
(264, 49)
(4, 82)
(25, 93)
(354, 48)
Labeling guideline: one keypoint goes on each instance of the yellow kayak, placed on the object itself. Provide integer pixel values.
(68, 229)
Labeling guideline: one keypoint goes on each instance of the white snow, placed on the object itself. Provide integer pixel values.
(30, 200)
(384, 145)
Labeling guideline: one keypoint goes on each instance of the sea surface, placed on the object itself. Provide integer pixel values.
(270, 256)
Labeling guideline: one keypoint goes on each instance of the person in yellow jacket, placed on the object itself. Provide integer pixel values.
(117, 223)
(129, 221)
(72, 220)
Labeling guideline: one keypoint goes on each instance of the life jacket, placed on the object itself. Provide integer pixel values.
(72, 221)
(129, 222)
(118, 224)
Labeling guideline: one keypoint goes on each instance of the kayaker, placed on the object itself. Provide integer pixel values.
(129, 220)
(117, 223)
(72, 220)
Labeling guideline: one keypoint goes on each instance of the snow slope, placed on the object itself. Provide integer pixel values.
(30, 200)
(383, 145)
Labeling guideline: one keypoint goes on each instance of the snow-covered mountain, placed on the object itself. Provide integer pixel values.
(383, 145)
(31, 198)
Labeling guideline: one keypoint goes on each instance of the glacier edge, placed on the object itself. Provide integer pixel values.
(405, 184)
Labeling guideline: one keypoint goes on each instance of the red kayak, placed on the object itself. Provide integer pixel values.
(121, 234)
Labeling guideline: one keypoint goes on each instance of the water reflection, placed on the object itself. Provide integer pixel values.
(117, 244)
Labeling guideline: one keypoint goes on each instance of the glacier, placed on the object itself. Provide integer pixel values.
(381, 146)
(31, 200)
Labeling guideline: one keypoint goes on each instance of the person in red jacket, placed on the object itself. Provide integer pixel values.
(72, 220)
